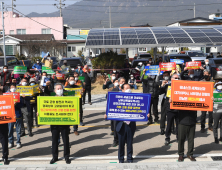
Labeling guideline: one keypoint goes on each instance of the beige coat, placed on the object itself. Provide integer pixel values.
(48, 63)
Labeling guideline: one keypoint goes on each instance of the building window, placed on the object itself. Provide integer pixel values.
(142, 50)
(21, 31)
(11, 32)
(9, 50)
(83, 49)
(46, 31)
(71, 48)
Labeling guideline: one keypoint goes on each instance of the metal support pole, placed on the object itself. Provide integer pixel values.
(3, 32)
(60, 7)
(194, 11)
(110, 24)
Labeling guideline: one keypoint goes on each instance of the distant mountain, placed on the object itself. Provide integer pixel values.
(95, 13)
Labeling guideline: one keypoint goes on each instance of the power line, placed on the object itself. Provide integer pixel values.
(60, 6)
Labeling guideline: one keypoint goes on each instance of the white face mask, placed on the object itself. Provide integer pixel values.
(219, 87)
(43, 77)
(128, 91)
(72, 82)
(114, 71)
(131, 77)
(79, 67)
(166, 78)
(121, 85)
(152, 77)
(113, 77)
(116, 84)
(37, 62)
(191, 76)
(150, 61)
(76, 78)
(206, 63)
(13, 90)
(24, 83)
(48, 58)
(5, 69)
(59, 92)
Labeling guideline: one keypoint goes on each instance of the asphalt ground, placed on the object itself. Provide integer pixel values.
(93, 145)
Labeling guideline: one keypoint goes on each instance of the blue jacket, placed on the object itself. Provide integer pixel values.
(18, 107)
(80, 72)
(38, 66)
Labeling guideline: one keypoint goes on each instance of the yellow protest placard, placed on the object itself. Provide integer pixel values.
(26, 90)
(36, 89)
(168, 91)
(57, 110)
(78, 91)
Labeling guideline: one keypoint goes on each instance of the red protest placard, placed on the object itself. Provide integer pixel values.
(16, 96)
(60, 76)
(193, 65)
(167, 66)
(191, 95)
(7, 109)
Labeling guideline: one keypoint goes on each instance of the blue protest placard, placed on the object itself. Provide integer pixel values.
(45, 80)
(177, 61)
(152, 70)
(128, 106)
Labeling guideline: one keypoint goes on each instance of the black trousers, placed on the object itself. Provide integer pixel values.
(27, 116)
(170, 123)
(125, 135)
(163, 115)
(75, 127)
(56, 129)
(184, 132)
(4, 140)
(154, 103)
(33, 114)
(87, 89)
(203, 119)
(217, 118)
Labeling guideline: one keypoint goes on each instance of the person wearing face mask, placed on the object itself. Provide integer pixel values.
(151, 85)
(127, 70)
(206, 66)
(33, 104)
(114, 71)
(46, 85)
(87, 84)
(210, 56)
(26, 111)
(159, 61)
(72, 84)
(206, 78)
(65, 68)
(217, 114)
(6, 87)
(47, 61)
(18, 122)
(132, 82)
(37, 66)
(79, 69)
(194, 75)
(56, 130)
(218, 55)
(37, 76)
(166, 79)
(109, 83)
(5, 75)
(171, 114)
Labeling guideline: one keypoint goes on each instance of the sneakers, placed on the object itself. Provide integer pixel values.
(82, 124)
(114, 144)
(210, 128)
(112, 133)
(18, 146)
(167, 143)
(90, 103)
(10, 145)
(162, 132)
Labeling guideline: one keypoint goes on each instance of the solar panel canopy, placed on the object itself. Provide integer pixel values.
(154, 37)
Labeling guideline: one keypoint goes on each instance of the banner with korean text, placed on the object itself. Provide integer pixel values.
(167, 66)
(78, 91)
(7, 109)
(218, 98)
(191, 95)
(16, 96)
(152, 70)
(193, 65)
(128, 106)
(20, 70)
(47, 70)
(177, 61)
(58, 110)
(26, 90)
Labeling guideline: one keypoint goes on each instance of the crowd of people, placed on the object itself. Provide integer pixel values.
(123, 131)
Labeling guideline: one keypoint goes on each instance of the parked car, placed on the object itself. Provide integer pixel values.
(196, 55)
(27, 63)
(144, 56)
(216, 67)
(11, 61)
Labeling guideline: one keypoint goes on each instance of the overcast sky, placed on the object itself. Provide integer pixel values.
(40, 6)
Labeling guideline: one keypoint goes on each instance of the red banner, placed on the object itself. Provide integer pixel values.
(167, 66)
(7, 109)
(191, 95)
(16, 96)
(193, 65)
(60, 76)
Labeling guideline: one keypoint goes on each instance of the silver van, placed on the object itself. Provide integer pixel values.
(196, 55)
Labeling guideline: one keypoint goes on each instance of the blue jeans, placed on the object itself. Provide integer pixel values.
(18, 125)
(134, 86)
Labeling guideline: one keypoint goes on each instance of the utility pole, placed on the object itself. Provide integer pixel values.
(60, 6)
(110, 24)
(3, 32)
(194, 11)
(13, 5)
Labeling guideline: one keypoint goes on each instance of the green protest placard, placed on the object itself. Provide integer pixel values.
(62, 110)
(47, 70)
(66, 93)
(218, 98)
(82, 78)
(20, 70)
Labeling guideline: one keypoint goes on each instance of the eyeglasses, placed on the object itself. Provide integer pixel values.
(176, 78)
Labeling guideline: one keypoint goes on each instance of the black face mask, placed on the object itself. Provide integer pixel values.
(206, 77)
(21, 76)
(7, 84)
